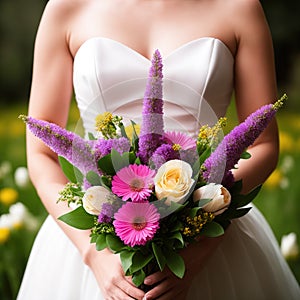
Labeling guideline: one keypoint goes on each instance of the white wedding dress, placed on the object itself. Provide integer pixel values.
(198, 83)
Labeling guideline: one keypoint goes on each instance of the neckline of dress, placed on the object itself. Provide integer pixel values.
(146, 58)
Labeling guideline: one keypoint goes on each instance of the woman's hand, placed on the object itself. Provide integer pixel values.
(109, 274)
(167, 285)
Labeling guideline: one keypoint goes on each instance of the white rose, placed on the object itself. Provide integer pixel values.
(289, 247)
(174, 181)
(93, 199)
(220, 197)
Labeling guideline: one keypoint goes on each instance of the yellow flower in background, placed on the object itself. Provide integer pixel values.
(4, 235)
(286, 142)
(8, 196)
(274, 180)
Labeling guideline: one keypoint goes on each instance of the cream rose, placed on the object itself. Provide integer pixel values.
(93, 199)
(173, 181)
(220, 196)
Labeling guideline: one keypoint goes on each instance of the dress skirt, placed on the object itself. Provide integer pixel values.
(247, 265)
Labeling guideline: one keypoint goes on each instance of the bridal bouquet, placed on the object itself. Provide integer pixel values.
(146, 195)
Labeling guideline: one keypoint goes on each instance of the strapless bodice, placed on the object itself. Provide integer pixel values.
(197, 84)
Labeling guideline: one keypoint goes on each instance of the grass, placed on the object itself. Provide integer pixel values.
(278, 199)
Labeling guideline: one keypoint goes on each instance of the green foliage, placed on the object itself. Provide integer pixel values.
(78, 218)
(71, 172)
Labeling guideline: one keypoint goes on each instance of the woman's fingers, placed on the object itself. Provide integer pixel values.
(130, 289)
(156, 277)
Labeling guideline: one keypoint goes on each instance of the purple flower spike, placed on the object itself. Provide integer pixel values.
(217, 167)
(103, 147)
(162, 154)
(64, 143)
(152, 128)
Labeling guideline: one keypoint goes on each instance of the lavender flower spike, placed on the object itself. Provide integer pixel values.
(217, 167)
(152, 123)
(64, 143)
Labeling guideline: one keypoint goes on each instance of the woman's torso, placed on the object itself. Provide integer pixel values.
(145, 25)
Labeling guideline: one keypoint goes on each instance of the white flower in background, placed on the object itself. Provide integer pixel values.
(287, 164)
(6, 221)
(93, 199)
(220, 196)
(21, 177)
(284, 183)
(5, 169)
(289, 247)
(174, 181)
(18, 216)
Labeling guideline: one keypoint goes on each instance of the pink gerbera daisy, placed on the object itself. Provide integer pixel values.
(180, 139)
(133, 182)
(136, 223)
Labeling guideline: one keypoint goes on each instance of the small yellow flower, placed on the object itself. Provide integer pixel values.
(8, 196)
(107, 124)
(4, 235)
(102, 120)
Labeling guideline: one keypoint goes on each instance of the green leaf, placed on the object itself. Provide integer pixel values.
(93, 178)
(105, 164)
(126, 259)
(175, 263)
(160, 258)
(71, 172)
(212, 229)
(193, 211)
(237, 187)
(123, 132)
(93, 238)
(118, 161)
(78, 218)
(91, 136)
(137, 161)
(246, 199)
(175, 206)
(178, 237)
(177, 226)
(245, 155)
(101, 242)
(114, 243)
(135, 138)
(204, 155)
(203, 202)
(105, 181)
(239, 212)
(139, 261)
(138, 277)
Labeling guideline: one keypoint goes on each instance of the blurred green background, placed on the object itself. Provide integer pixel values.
(279, 199)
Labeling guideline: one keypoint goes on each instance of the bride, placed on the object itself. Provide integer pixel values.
(212, 47)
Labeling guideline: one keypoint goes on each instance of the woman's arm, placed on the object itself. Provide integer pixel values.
(255, 86)
(49, 100)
